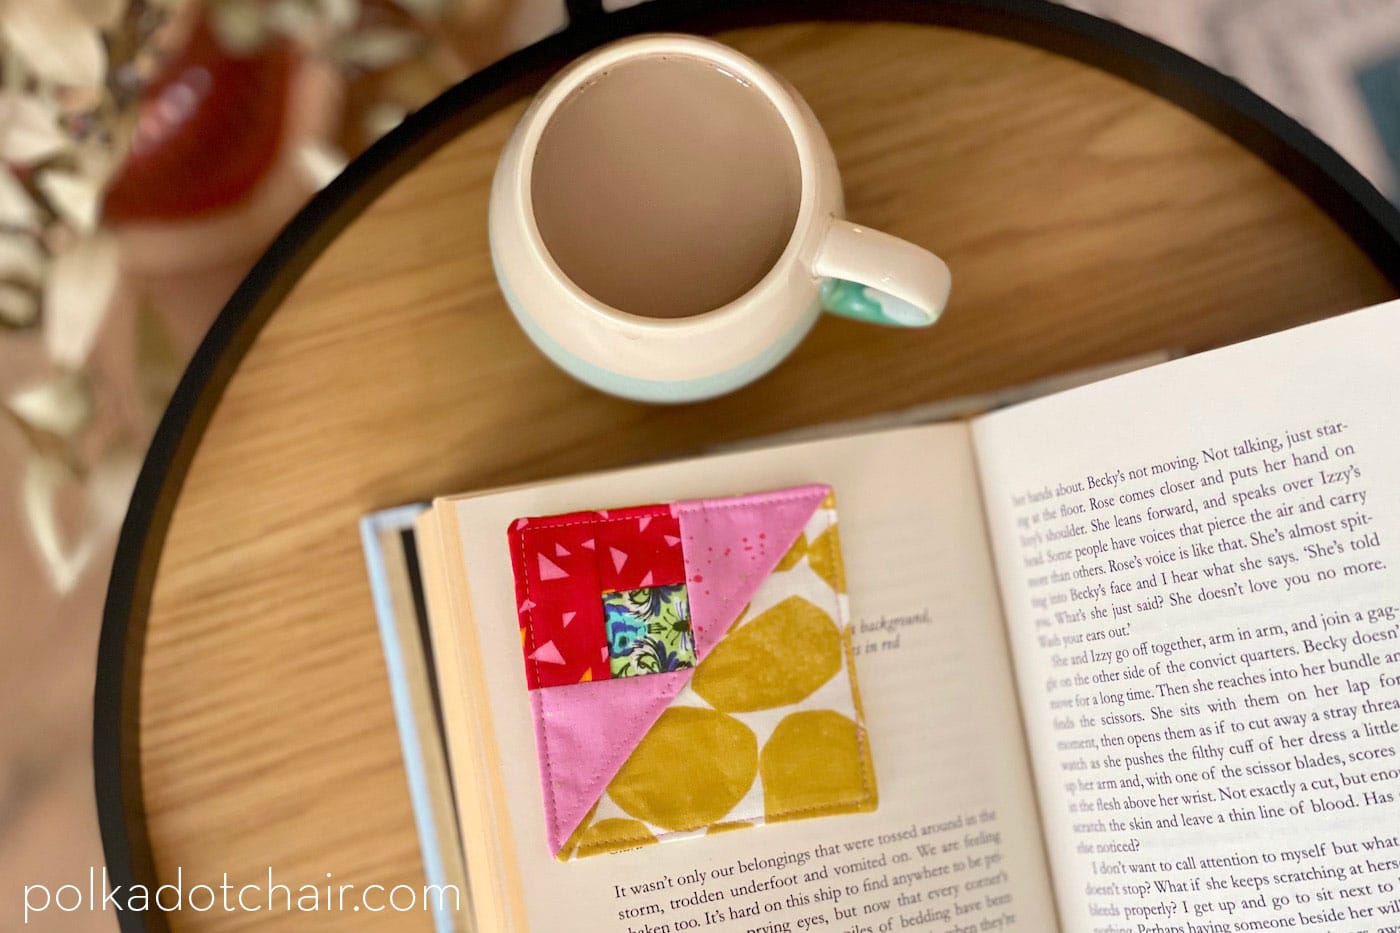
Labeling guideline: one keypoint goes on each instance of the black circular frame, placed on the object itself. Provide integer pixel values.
(1337, 188)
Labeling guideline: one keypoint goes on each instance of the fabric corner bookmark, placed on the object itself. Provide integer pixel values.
(689, 668)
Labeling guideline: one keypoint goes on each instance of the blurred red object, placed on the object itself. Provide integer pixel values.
(209, 128)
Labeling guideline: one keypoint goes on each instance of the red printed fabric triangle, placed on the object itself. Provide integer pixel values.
(584, 580)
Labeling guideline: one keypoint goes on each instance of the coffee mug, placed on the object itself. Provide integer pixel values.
(667, 223)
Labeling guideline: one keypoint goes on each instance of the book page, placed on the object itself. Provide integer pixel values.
(955, 841)
(1202, 585)
(461, 765)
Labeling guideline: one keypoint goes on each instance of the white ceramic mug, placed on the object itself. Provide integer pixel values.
(828, 263)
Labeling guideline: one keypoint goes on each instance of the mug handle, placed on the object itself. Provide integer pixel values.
(872, 276)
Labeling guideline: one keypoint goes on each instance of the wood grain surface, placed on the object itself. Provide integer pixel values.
(1084, 220)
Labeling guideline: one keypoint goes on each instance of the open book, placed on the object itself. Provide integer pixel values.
(1129, 658)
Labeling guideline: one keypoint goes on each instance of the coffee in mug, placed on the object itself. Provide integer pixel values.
(665, 186)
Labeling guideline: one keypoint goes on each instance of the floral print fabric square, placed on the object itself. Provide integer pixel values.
(649, 630)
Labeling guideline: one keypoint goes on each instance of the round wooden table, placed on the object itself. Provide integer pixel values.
(243, 713)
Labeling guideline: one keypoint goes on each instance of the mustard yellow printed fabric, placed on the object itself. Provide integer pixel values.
(769, 728)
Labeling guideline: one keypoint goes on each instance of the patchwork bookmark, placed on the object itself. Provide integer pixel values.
(689, 668)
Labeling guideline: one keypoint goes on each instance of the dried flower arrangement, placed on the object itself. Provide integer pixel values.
(105, 106)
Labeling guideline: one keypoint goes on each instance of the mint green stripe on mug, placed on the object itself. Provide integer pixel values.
(874, 277)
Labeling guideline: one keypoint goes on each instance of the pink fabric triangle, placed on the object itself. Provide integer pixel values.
(549, 570)
(731, 546)
(548, 653)
(585, 732)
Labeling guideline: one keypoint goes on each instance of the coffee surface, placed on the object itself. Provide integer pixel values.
(666, 186)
